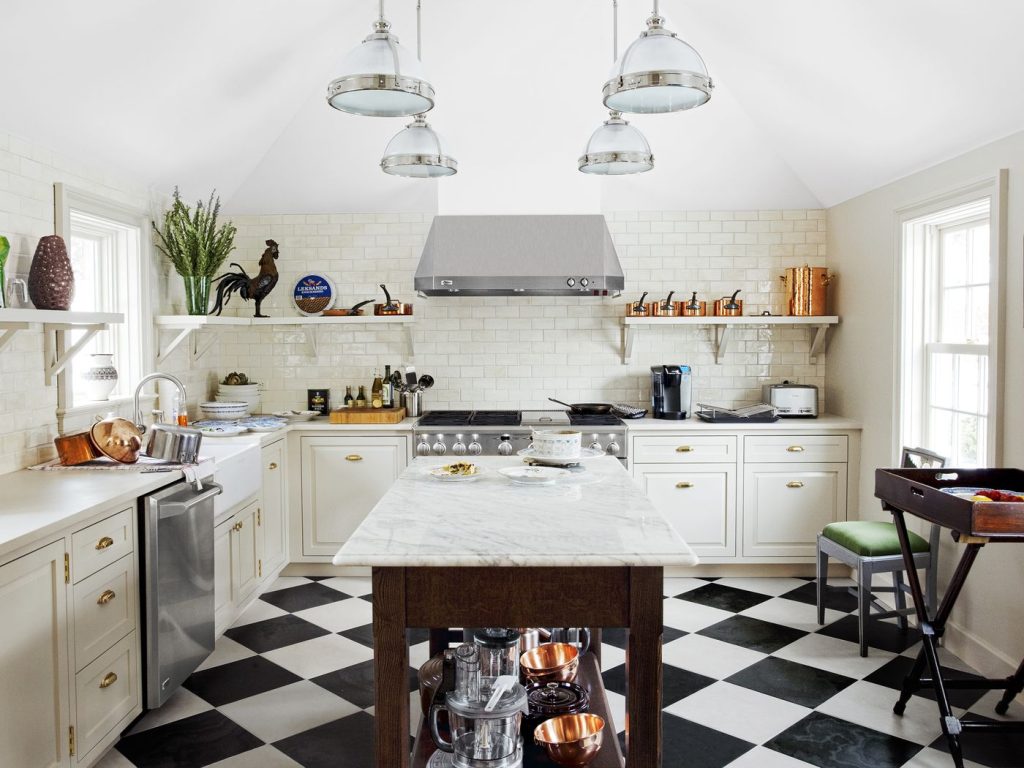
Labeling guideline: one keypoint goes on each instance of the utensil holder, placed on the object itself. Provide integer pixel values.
(413, 402)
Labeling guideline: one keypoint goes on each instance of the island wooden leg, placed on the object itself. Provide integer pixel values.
(643, 668)
(390, 669)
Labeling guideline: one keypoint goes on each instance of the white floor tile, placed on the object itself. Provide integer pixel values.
(286, 711)
(834, 655)
(707, 656)
(740, 712)
(934, 758)
(765, 586)
(226, 651)
(418, 654)
(871, 705)
(611, 656)
(183, 703)
(350, 585)
(344, 614)
(264, 757)
(283, 582)
(986, 706)
(691, 617)
(258, 611)
(761, 757)
(320, 655)
(677, 585)
(617, 710)
(114, 759)
(790, 613)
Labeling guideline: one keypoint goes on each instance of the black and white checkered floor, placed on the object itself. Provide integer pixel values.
(751, 681)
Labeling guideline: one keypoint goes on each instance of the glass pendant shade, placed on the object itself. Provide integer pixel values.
(381, 78)
(616, 148)
(418, 151)
(657, 73)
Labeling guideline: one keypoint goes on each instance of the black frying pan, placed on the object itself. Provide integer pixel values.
(585, 409)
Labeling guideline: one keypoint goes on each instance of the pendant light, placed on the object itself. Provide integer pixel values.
(658, 73)
(381, 78)
(616, 148)
(418, 151)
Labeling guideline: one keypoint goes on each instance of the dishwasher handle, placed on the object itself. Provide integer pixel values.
(175, 508)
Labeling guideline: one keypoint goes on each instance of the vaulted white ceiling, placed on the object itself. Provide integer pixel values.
(816, 102)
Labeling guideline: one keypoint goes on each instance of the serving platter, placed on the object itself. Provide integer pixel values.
(530, 454)
(534, 475)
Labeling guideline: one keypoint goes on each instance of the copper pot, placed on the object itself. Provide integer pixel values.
(390, 306)
(118, 439)
(729, 306)
(693, 308)
(354, 311)
(806, 290)
(638, 308)
(664, 308)
(76, 449)
(551, 663)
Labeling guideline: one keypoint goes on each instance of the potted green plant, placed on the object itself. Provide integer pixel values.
(5, 248)
(196, 246)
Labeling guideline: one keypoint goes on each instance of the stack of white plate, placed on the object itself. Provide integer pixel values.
(225, 410)
(234, 393)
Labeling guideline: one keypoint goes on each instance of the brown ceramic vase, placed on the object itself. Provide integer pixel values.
(51, 281)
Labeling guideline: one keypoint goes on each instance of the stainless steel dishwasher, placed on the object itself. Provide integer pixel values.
(177, 599)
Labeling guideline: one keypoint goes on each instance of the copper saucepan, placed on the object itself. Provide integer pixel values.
(728, 306)
(391, 306)
(693, 308)
(664, 308)
(638, 308)
(353, 311)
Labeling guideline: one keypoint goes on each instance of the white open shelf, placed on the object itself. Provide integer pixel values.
(723, 329)
(189, 325)
(56, 324)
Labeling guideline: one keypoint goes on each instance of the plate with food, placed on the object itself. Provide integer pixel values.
(459, 471)
(986, 494)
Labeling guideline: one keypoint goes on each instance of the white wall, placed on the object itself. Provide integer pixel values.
(861, 372)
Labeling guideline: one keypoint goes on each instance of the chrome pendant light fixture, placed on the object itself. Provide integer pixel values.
(658, 73)
(418, 151)
(616, 148)
(381, 78)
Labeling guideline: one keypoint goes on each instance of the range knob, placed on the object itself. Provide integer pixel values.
(459, 447)
(505, 446)
(584, 282)
(613, 448)
(571, 282)
(475, 449)
(439, 447)
(595, 444)
(423, 448)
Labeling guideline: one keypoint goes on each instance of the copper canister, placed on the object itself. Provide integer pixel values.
(806, 290)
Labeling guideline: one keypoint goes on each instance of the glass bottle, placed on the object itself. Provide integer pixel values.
(389, 388)
(349, 400)
(361, 397)
(377, 391)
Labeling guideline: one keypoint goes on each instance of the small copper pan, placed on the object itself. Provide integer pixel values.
(638, 308)
(729, 306)
(354, 311)
(693, 308)
(665, 308)
(76, 449)
(390, 306)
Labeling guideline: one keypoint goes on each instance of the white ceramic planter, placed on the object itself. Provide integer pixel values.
(101, 378)
(557, 444)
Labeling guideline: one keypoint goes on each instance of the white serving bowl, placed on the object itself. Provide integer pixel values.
(253, 401)
(234, 409)
(557, 443)
(239, 389)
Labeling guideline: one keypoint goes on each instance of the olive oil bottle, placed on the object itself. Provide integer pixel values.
(377, 391)
(361, 397)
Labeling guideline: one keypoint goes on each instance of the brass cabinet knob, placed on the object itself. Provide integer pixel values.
(353, 457)
(684, 449)
(684, 484)
(273, 465)
(794, 484)
(106, 597)
(105, 542)
(108, 680)
(795, 449)
(237, 526)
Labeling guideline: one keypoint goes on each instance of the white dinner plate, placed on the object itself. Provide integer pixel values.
(227, 430)
(585, 454)
(439, 473)
(534, 475)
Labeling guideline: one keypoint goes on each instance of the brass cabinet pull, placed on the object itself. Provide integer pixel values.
(795, 449)
(353, 457)
(106, 597)
(105, 542)
(108, 680)
(684, 484)
(237, 526)
(684, 449)
(273, 465)
(794, 484)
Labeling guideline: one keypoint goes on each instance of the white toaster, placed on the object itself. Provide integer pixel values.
(792, 400)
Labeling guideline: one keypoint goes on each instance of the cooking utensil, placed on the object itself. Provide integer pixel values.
(413, 403)
(637, 308)
(531, 637)
(353, 311)
(410, 377)
(729, 306)
(426, 381)
(664, 308)
(571, 740)
(391, 306)
(577, 636)
(584, 408)
(551, 663)
(118, 439)
(76, 449)
(694, 308)
(549, 700)
(806, 290)
(173, 443)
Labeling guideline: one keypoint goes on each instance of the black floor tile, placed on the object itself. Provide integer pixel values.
(355, 683)
(880, 634)
(620, 637)
(998, 750)
(236, 680)
(188, 743)
(362, 635)
(685, 743)
(893, 673)
(724, 598)
(676, 683)
(793, 682)
(344, 743)
(829, 742)
(271, 634)
(837, 598)
(754, 634)
(304, 596)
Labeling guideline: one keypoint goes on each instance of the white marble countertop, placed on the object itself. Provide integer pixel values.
(600, 517)
(823, 423)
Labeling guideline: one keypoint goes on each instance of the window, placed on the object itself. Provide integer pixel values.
(109, 257)
(949, 308)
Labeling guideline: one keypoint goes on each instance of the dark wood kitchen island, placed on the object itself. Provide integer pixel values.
(589, 551)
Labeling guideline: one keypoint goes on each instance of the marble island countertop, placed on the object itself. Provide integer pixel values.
(598, 517)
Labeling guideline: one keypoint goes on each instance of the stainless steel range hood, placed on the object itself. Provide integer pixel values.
(519, 256)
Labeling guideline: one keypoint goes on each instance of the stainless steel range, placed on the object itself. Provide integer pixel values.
(505, 433)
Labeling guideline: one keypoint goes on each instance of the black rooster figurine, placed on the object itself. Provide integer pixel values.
(256, 288)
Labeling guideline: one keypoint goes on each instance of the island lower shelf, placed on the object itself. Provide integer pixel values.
(589, 677)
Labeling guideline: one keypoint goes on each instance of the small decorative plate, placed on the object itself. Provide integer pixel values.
(313, 294)
(534, 475)
(531, 454)
(221, 430)
(446, 476)
(263, 424)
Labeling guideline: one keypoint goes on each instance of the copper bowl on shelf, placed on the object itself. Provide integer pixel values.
(551, 663)
(571, 740)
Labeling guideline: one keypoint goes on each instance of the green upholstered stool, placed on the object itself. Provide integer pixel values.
(871, 547)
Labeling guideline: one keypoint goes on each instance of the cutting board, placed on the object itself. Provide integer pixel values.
(367, 415)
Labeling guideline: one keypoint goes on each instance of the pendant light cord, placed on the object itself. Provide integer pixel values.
(419, 42)
(380, 10)
(615, 31)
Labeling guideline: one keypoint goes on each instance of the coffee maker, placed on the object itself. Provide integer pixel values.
(670, 391)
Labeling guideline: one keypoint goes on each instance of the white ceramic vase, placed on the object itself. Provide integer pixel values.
(101, 378)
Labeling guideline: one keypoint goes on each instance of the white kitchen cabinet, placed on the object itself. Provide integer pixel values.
(34, 664)
(698, 499)
(223, 599)
(246, 553)
(342, 479)
(273, 520)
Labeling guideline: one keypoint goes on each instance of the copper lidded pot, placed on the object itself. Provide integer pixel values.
(638, 308)
(806, 290)
(729, 306)
(693, 308)
(665, 307)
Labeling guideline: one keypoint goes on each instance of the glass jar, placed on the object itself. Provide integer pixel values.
(499, 654)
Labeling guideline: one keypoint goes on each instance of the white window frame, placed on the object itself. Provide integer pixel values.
(908, 363)
(138, 317)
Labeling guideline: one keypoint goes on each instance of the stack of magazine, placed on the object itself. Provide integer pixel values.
(761, 412)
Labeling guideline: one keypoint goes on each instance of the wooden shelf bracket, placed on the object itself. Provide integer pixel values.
(57, 354)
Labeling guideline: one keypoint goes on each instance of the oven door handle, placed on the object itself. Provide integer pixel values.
(175, 508)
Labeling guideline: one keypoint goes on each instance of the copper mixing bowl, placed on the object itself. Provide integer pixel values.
(571, 740)
(551, 663)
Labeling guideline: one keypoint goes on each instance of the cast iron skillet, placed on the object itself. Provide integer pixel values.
(585, 409)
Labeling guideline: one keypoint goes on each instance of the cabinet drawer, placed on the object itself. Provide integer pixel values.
(683, 449)
(106, 691)
(795, 448)
(105, 609)
(699, 502)
(102, 543)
